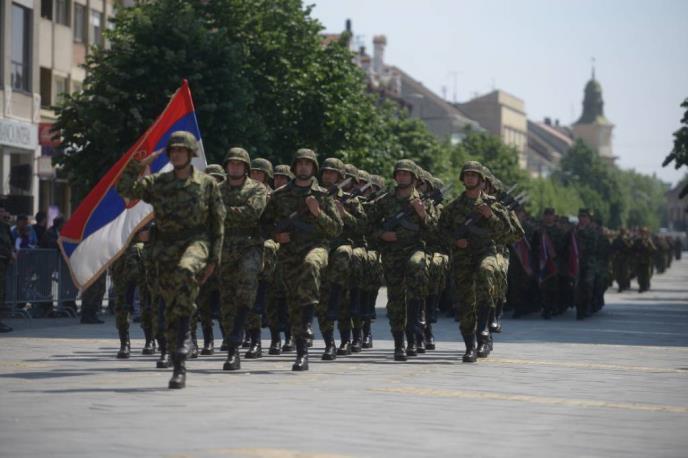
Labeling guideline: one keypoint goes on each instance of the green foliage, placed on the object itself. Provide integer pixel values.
(679, 154)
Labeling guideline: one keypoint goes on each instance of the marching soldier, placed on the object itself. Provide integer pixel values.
(189, 217)
(242, 253)
(470, 225)
(305, 219)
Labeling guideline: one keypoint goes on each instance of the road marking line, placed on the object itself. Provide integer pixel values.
(584, 365)
(488, 395)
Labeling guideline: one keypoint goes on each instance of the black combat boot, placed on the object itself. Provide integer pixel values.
(330, 353)
(246, 343)
(429, 338)
(208, 341)
(411, 349)
(483, 332)
(164, 361)
(275, 342)
(496, 322)
(301, 363)
(149, 346)
(309, 335)
(367, 335)
(399, 350)
(356, 344)
(420, 343)
(288, 342)
(345, 345)
(233, 362)
(124, 345)
(193, 353)
(256, 350)
(178, 379)
(484, 345)
(470, 356)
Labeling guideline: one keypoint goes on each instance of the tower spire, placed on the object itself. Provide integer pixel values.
(592, 59)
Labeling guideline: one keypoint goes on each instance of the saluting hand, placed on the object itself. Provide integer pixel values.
(148, 160)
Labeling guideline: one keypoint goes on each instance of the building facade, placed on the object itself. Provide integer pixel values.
(501, 114)
(593, 127)
(43, 44)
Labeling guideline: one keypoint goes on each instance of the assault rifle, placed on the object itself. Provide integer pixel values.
(402, 217)
(294, 222)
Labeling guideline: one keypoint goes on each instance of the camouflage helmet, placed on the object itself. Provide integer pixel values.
(350, 170)
(263, 165)
(406, 165)
(216, 170)
(182, 139)
(363, 176)
(472, 166)
(424, 175)
(238, 154)
(284, 170)
(305, 153)
(334, 164)
(378, 180)
(435, 183)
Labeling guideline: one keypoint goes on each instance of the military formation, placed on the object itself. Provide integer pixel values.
(256, 246)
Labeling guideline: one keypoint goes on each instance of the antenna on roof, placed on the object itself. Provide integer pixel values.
(455, 77)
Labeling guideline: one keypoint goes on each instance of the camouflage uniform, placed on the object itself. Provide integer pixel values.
(643, 251)
(474, 267)
(208, 301)
(276, 308)
(303, 260)
(340, 294)
(255, 320)
(189, 217)
(242, 254)
(6, 252)
(92, 299)
(403, 261)
(127, 276)
(588, 240)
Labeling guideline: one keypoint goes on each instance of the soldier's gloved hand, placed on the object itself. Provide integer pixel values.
(209, 269)
(282, 237)
(485, 210)
(313, 205)
(419, 207)
(462, 243)
(389, 236)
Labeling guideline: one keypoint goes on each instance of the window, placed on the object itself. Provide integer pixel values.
(46, 87)
(62, 12)
(96, 27)
(79, 23)
(61, 89)
(21, 48)
(47, 9)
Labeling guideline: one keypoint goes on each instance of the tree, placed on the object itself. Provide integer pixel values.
(679, 154)
(490, 151)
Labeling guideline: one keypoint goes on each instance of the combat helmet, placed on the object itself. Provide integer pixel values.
(216, 170)
(305, 153)
(335, 165)
(238, 154)
(182, 139)
(407, 165)
(263, 165)
(472, 166)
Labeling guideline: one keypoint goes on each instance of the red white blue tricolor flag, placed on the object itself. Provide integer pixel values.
(104, 223)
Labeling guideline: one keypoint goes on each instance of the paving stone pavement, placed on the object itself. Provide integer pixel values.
(613, 385)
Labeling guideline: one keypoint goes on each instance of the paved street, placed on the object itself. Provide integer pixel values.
(614, 385)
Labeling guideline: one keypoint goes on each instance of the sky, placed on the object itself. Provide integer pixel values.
(542, 52)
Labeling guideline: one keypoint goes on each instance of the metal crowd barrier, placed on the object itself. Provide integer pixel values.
(39, 281)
